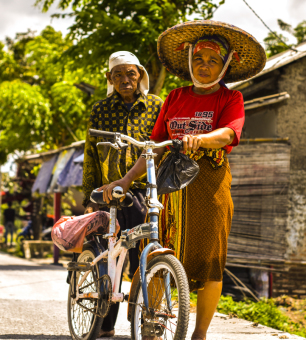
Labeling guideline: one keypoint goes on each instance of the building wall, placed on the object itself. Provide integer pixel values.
(261, 177)
(260, 123)
(286, 119)
(291, 122)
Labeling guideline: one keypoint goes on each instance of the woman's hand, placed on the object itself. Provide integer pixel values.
(108, 188)
(192, 142)
(216, 139)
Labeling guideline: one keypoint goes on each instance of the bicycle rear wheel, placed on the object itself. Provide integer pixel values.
(168, 294)
(82, 323)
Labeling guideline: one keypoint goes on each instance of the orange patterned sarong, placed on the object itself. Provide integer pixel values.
(196, 223)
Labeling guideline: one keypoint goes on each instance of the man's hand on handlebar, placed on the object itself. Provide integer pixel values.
(108, 189)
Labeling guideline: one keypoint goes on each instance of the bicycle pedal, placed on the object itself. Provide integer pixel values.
(79, 266)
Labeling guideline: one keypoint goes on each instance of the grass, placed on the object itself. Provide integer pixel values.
(193, 301)
(295, 309)
(283, 313)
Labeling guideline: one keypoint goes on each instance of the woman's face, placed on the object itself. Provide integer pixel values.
(206, 65)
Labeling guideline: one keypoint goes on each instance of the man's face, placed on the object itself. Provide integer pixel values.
(125, 79)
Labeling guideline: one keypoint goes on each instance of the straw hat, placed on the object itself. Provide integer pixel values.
(251, 54)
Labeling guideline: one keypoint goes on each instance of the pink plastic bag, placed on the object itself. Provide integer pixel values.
(69, 233)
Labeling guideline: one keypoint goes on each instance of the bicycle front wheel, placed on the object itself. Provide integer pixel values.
(169, 302)
(83, 324)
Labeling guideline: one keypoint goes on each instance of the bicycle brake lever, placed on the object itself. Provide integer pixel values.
(116, 145)
(122, 145)
(113, 145)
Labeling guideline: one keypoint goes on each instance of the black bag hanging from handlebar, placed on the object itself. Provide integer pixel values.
(176, 171)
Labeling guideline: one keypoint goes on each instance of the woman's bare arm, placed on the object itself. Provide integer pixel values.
(137, 170)
(213, 140)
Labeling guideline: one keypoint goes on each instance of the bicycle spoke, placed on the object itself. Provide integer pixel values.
(158, 297)
(83, 311)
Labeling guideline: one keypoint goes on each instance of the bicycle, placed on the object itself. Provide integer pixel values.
(158, 302)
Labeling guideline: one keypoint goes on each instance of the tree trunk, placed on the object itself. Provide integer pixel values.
(160, 81)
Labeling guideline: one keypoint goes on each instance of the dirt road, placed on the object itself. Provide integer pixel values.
(33, 306)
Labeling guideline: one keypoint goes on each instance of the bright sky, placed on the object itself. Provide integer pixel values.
(237, 13)
(19, 15)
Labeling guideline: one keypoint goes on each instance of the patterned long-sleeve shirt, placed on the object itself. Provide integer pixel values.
(103, 164)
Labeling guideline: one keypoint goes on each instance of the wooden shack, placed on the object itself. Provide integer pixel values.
(269, 175)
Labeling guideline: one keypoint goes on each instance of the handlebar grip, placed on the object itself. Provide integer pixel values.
(99, 133)
(118, 192)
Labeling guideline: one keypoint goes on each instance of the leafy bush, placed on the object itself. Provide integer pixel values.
(264, 312)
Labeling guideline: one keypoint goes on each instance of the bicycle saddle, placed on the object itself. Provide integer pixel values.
(97, 197)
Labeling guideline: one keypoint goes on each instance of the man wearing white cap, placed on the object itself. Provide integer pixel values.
(130, 110)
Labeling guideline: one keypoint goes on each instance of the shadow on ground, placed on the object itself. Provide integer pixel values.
(29, 267)
(32, 337)
(52, 337)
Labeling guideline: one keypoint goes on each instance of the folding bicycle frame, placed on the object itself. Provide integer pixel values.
(129, 239)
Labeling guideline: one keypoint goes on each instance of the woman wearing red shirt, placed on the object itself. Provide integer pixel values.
(209, 118)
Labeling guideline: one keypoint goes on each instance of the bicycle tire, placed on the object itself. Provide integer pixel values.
(77, 314)
(179, 281)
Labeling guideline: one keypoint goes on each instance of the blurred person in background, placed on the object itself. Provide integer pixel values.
(9, 220)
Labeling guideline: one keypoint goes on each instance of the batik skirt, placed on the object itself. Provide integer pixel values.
(196, 223)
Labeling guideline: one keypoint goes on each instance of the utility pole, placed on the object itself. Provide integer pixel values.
(57, 216)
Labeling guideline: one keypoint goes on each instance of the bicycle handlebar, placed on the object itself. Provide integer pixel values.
(107, 134)
(99, 133)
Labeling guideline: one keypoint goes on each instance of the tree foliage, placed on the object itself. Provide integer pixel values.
(25, 116)
(40, 106)
(275, 45)
(300, 32)
(105, 26)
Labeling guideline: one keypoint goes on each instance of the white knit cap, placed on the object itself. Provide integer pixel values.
(123, 58)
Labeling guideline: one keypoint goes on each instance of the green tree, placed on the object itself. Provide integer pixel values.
(275, 45)
(24, 116)
(299, 32)
(40, 106)
(105, 26)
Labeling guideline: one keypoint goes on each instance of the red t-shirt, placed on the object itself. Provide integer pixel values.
(185, 112)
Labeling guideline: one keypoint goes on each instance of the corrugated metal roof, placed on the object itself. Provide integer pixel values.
(278, 61)
(47, 154)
